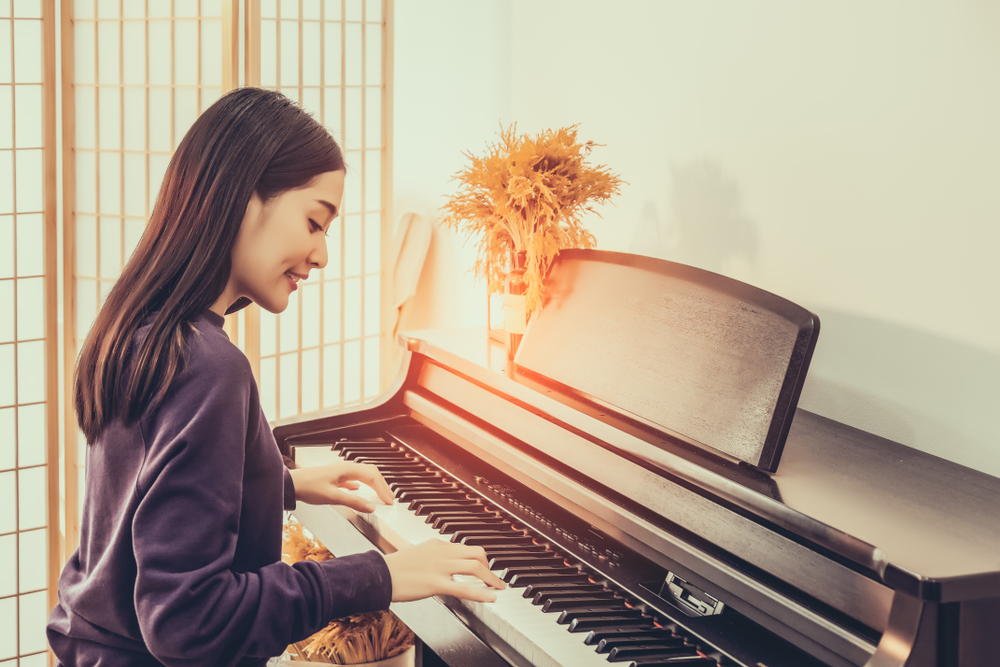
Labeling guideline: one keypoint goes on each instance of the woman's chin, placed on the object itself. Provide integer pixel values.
(275, 306)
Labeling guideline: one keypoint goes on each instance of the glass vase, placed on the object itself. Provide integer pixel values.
(515, 315)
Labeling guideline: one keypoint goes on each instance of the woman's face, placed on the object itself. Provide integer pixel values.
(281, 241)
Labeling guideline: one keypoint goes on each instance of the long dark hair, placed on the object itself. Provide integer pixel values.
(250, 141)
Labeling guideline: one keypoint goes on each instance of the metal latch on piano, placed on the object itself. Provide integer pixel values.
(689, 597)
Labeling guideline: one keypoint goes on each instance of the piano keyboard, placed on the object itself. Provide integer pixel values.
(554, 612)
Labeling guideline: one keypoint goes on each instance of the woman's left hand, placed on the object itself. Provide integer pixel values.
(331, 484)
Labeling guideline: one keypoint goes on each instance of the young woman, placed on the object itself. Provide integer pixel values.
(179, 557)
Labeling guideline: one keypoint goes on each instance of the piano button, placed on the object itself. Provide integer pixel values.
(559, 604)
(521, 580)
(609, 622)
(589, 587)
(544, 596)
(646, 639)
(421, 508)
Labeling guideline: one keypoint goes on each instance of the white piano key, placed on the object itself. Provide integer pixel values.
(514, 619)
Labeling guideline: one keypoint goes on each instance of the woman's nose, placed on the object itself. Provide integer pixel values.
(318, 257)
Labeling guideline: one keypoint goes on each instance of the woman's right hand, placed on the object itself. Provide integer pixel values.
(426, 569)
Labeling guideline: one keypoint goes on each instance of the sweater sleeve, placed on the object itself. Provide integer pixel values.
(288, 488)
(193, 608)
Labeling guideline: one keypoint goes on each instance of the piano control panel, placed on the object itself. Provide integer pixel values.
(580, 591)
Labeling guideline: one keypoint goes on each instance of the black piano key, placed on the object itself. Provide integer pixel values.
(494, 541)
(608, 622)
(420, 508)
(567, 616)
(421, 486)
(452, 526)
(680, 661)
(438, 519)
(540, 598)
(598, 637)
(501, 532)
(397, 467)
(520, 550)
(521, 580)
(503, 562)
(374, 444)
(509, 573)
(427, 476)
(650, 651)
(560, 604)
(645, 639)
(351, 454)
(435, 494)
(376, 455)
(589, 587)
(392, 464)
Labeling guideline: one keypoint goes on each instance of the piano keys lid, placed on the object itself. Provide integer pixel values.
(712, 360)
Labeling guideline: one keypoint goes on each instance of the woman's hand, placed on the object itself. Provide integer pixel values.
(426, 569)
(325, 485)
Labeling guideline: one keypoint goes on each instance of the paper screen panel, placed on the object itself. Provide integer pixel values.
(24, 376)
(142, 72)
(324, 351)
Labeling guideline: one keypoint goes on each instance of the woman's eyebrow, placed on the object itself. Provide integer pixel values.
(333, 209)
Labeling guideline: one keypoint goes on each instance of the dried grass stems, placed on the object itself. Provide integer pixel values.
(527, 195)
(345, 641)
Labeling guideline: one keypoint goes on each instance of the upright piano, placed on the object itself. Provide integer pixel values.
(641, 477)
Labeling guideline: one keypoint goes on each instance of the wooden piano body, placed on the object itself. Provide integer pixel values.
(761, 541)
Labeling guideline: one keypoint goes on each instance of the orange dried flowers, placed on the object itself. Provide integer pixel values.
(527, 195)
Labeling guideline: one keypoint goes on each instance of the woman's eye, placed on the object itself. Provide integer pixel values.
(316, 227)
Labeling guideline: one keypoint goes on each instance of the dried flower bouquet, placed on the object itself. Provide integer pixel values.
(345, 641)
(527, 195)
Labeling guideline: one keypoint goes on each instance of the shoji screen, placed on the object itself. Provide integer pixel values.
(331, 56)
(28, 374)
(142, 73)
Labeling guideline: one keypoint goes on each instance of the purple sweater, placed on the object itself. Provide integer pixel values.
(180, 545)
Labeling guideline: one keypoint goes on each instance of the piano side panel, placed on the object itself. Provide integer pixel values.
(979, 633)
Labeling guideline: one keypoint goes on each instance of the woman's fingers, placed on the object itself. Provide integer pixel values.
(480, 570)
(352, 500)
(369, 475)
(428, 569)
(333, 483)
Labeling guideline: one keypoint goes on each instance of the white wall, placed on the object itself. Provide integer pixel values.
(843, 155)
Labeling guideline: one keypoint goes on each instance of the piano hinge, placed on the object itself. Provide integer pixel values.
(690, 597)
